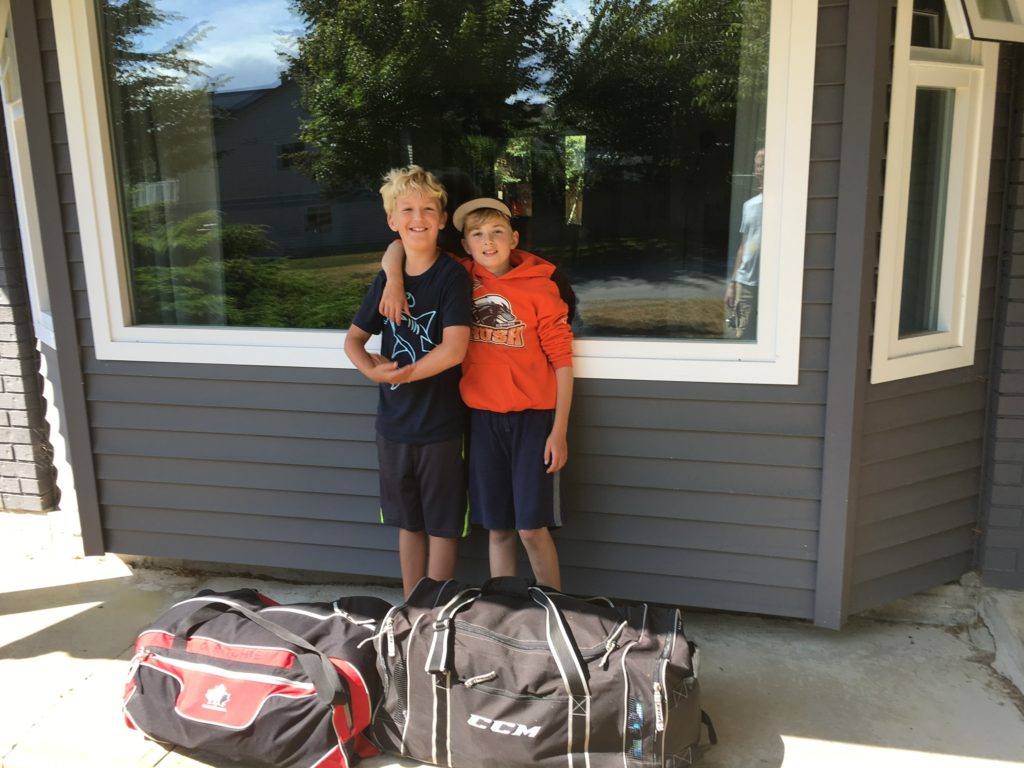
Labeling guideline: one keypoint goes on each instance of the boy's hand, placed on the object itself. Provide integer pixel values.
(382, 371)
(398, 375)
(556, 451)
(393, 302)
(730, 295)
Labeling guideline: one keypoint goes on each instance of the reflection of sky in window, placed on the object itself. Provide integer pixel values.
(244, 38)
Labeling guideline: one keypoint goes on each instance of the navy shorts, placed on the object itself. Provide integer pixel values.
(509, 486)
(423, 487)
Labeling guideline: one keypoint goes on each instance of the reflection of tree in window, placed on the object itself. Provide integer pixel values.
(437, 83)
(648, 111)
(291, 155)
(160, 100)
(575, 166)
(641, 108)
(196, 257)
(671, 97)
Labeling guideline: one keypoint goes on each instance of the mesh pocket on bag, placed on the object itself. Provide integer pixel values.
(400, 680)
(635, 728)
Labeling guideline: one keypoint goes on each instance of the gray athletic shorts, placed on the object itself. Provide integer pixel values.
(423, 487)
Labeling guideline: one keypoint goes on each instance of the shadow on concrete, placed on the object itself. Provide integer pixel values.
(24, 600)
(101, 631)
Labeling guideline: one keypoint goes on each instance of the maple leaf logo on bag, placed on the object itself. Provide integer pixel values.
(217, 698)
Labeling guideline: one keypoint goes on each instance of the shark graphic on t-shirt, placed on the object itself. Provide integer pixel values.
(404, 351)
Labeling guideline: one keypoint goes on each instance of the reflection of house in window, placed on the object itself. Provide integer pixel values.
(155, 192)
(318, 218)
(258, 183)
(288, 154)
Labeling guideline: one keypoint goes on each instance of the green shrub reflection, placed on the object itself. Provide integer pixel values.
(198, 271)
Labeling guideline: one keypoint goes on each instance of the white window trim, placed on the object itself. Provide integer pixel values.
(24, 183)
(993, 29)
(963, 242)
(773, 359)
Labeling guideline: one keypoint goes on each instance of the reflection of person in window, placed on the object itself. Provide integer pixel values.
(741, 293)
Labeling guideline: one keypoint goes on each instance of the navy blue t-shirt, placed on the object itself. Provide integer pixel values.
(429, 410)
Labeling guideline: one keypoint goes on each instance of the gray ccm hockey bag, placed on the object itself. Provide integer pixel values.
(513, 675)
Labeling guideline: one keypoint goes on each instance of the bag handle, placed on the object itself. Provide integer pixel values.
(440, 658)
(331, 687)
(513, 586)
(561, 643)
(563, 646)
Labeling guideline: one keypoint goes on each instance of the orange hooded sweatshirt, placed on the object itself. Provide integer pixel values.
(520, 335)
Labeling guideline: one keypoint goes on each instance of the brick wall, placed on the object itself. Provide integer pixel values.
(26, 470)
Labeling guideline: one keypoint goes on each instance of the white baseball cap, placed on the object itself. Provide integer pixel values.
(459, 217)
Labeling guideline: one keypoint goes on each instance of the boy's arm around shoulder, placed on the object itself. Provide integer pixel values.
(393, 301)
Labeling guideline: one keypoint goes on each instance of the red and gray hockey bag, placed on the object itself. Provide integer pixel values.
(513, 675)
(236, 676)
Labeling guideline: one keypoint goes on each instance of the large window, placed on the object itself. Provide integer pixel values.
(940, 133)
(657, 152)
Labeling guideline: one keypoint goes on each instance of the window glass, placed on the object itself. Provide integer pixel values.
(997, 10)
(931, 27)
(926, 211)
(627, 138)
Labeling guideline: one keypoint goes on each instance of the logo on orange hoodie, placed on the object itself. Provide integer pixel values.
(494, 322)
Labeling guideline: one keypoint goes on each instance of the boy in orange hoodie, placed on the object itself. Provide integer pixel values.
(517, 380)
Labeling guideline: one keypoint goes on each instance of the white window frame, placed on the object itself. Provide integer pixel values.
(969, 69)
(772, 359)
(24, 183)
(994, 29)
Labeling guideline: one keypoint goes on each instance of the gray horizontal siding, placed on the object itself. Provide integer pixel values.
(699, 494)
(920, 496)
(922, 447)
(1002, 551)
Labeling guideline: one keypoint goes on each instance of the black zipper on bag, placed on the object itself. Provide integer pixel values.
(293, 672)
(516, 696)
(588, 654)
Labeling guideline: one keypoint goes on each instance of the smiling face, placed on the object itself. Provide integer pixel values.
(489, 238)
(418, 218)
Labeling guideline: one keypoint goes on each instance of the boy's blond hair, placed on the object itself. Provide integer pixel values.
(481, 216)
(412, 178)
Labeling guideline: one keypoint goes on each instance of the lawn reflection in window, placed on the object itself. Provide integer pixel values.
(627, 138)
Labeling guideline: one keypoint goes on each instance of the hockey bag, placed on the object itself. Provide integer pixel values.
(513, 675)
(238, 677)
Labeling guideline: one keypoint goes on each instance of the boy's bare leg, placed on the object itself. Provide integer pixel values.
(412, 554)
(540, 548)
(441, 561)
(502, 550)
